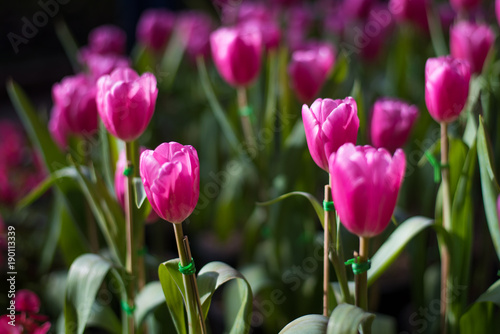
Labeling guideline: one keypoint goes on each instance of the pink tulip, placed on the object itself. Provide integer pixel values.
(100, 65)
(195, 29)
(12, 143)
(464, 5)
(236, 52)
(155, 27)
(58, 128)
(365, 187)
(27, 301)
(446, 87)
(7, 328)
(299, 21)
(471, 42)
(328, 125)
(260, 16)
(414, 11)
(121, 183)
(391, 123)
(446, 15)
(358, 9)
(126, 102)
(497, 10)
(309, 68)
(107, 39)
(74, 96)
(171, 178)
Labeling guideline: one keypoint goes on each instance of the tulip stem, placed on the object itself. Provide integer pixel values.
(130, 260)
(361, 279)
(326, 268)
(246, 123)
(445, 255)
(192, 296)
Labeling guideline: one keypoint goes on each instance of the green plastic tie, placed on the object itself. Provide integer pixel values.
(359, 267)
(127, 308)
(328, 206)
(190, 269)
(129, 171)
(436, 165)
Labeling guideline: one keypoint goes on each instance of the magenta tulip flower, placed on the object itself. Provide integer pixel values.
(365, 187)
(58, 128)
(358, 9)
(497, 10)
(12, 143)
(464, 5)
(195, 28)
(236, 52)
(27, 301)
(446, 87)
(99, 65)
(126, 102)
(171, 178)
(328, 125)
(391, 123)
(472, 42)
(155, 27)
(74, 96)
(107, 39)
(414, 11)
(260, 16)
(309, 68)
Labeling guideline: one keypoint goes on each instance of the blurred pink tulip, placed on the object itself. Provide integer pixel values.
(471, 42)
(262, 17)
(391, 123)
(58, 128)
(309, 68)
(155, 27)
(446, 87)
(12, 143)
(365, 187)
(464, 5)
(446, 15)
(171, 178)
(236, 52)
(126, 102)
(74, 96)
(497, 10)
(6, 328)
(195, 28)
(107, 39)
(357, 9)
(414, 11)
(299, 21)
(100, 65)
(328, 125)
(27, 301)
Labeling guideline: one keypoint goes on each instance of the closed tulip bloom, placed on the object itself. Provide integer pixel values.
(27, 301)
(446, 87)
(391, 123)
(171, 178)
(365, 187)
(463, 5)
(309, 69)
(195, 28)
(126, 102)
(236, 52)
(58, 128)
(328, 125)
(155, 27)
(414, 11)
(100, 65)
(472, 42)
(75, 98)
(107, 39)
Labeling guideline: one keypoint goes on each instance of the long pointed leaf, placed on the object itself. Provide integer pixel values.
(173, 289)
(311, 324)
(346, 319)
(147, 301)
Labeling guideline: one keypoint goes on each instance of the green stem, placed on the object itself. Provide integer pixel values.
(445, 253)
(361, 279)
(246, 123)
(326, 267)
(130, 260)
(196, 321)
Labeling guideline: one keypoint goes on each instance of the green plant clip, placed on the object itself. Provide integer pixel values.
(129, 171)
(436, 165)
(127, 308)
(328, 206)
(190, 269)
(357, 267)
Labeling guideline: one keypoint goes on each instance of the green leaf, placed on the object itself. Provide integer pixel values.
(142, 59)
(147, 301)
(479, 317)
(489, 184)
(215, 274)
(140, 193)
(38, 132)
(104, 318)
(172, 57)
(69, 44)
(346, 319)
(314, 202)
(173, 291)
(310, 324)
(395, 244)
(85, 277)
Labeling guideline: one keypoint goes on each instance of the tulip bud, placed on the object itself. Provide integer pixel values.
(171, 178)
(100, 65)
(27, 301)
(126, 102)
(107, 39)
(464, 5)
(471, 42)
(74, 96)
(261, 17)
(446, 87)
(236, 52)
(309, 69)
(414, 11)
(328, 125)
(195, 29)
(155, 27)
(365, 186)
(392, 120)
